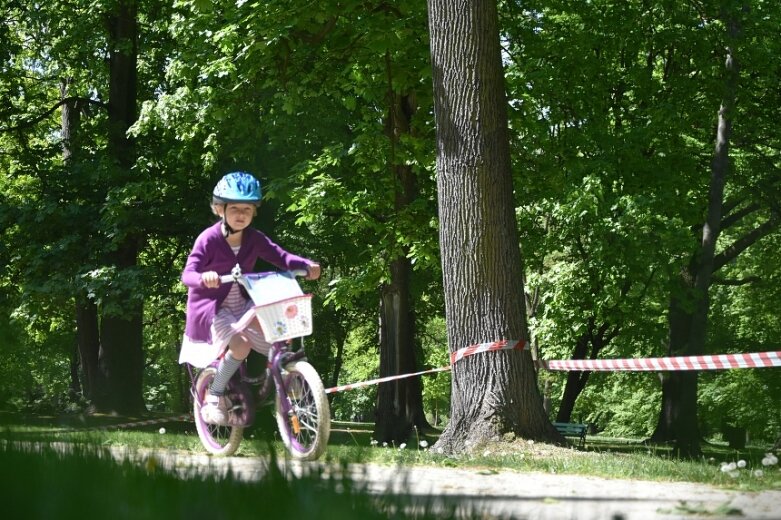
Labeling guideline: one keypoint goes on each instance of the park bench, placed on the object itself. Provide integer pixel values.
(572, 430)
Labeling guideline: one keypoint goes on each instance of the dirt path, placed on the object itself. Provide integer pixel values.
(531, 496)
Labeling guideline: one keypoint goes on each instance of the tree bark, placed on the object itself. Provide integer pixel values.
(688, 317)
(122, 335)
(493, 394)
(399, 403)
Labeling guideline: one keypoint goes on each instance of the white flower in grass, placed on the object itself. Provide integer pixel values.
(769, 460)
(424, 444)
(402, 445)
(759, 473)
(734, 474)
(741, 463)
(374, 442)
(384, 444)
(162, 431)
(725, 467)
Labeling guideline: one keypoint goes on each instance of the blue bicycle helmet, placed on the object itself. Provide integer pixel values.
(237, 187)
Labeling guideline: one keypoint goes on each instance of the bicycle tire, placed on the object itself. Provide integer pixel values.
(306, 430)
(222, 441)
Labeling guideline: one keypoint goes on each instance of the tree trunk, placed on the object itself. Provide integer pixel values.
(122, 335)
(400, 402)
(88, 339)
(493, 394)
(576, 381)
(678, 421)
(86, 312)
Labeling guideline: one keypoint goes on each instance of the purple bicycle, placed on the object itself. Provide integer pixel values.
(301, 406)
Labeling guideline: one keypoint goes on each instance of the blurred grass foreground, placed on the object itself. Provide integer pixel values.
(82, 482)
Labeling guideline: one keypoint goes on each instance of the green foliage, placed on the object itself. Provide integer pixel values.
(361, 363)
(436, 387)
(612, 108)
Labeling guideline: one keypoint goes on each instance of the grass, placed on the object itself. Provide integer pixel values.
(352, 442)
(86, 483)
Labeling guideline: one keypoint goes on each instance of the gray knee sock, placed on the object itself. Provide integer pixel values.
(225, 371)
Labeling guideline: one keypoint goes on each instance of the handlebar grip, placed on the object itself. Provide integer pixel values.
(227, 278)
(300, 272)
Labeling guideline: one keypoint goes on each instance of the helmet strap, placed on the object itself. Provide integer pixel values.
(226, 229)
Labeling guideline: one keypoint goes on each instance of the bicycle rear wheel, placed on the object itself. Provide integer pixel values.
(218, 440)
(306, 428)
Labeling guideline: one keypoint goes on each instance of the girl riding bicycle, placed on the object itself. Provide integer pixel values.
(213, 308)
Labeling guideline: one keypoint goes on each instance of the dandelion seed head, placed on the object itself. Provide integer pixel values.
(402, 445)
(759, 473)
(162, 431)
(424, 443)
(741, 463)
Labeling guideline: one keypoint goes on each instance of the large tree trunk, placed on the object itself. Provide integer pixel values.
(678, 421)
(493, 394)
(122, 334)
(400, 402)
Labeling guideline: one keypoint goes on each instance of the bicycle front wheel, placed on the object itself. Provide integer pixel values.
(218, 440)
(306, 426)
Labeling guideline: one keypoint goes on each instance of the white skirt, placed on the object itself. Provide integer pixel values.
(235, 316)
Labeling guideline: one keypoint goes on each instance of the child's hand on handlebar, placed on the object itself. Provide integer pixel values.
(210, 279)
(313, 272)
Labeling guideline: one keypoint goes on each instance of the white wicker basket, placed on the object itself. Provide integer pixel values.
(285, 319)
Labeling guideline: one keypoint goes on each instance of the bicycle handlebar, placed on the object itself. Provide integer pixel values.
(236, 272)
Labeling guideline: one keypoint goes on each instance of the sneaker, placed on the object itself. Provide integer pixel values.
(215, 409)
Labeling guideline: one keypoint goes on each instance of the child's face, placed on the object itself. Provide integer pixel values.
(239, 216)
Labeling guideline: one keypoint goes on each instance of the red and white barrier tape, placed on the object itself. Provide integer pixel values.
(714, 362)
(471, 350)
(679, 363)
(454, 356)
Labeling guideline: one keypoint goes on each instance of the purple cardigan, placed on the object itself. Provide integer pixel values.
(212, 252)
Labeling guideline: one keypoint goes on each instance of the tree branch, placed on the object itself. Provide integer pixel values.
(736, 282)
(732, 218)
(744, 243)
(37, 119)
